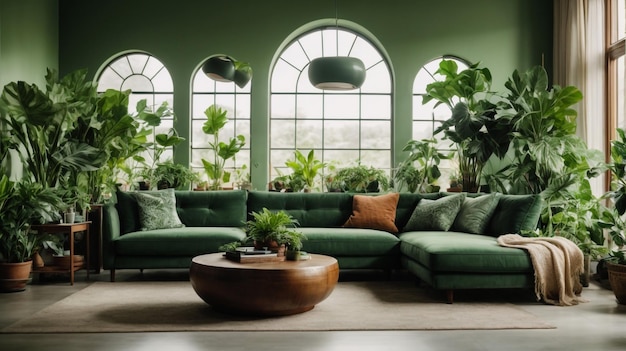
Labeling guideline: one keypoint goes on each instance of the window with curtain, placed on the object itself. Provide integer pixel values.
(616, 18)
(148, 79)
(343, 127)
(427, 117)
(236, 101)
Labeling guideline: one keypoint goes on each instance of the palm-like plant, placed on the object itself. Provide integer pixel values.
(267, 226)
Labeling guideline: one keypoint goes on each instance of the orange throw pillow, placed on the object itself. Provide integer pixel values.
(374, 212)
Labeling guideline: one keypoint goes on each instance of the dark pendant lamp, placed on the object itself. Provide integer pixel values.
(337, 72)
(219, 68)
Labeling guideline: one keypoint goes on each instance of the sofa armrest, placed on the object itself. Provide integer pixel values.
(110, 231)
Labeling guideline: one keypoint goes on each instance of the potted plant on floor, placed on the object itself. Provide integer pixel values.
(273, 230)
(22, 203)
(474, 125)
(616, 263)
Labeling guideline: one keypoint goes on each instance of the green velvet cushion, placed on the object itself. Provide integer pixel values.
(435, 214)
(157, 210)
(475, 213)
(515, 213)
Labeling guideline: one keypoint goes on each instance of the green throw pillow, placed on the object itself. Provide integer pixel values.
(475, 213)
(435, 214)
(157, 210)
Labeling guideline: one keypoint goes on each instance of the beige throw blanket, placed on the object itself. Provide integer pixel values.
(558, 263)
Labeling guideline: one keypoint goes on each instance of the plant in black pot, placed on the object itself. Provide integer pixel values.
(173, 175)
(361, 179)
(273, 230)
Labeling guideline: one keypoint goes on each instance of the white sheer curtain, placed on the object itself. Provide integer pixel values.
(579, 61)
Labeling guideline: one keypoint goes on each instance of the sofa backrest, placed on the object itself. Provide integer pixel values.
(513, 213)
(310, 209)
(195, 209)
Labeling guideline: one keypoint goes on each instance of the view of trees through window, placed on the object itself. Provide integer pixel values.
(236, 101)
(342, 127)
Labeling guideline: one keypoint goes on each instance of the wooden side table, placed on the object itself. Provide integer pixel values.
(71, 229)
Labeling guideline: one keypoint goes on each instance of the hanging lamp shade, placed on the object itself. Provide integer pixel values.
(337, 73)
(219, 68)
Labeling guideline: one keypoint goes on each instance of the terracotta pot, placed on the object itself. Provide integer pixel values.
(38, 261)
(617, 279)
(14, 276)
(63, 262)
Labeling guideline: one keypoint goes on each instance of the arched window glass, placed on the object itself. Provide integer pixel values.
(343, 127)
(236, 101)
(427, 117)
(148, 79)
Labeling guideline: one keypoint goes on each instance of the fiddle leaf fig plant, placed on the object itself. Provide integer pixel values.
(474, 125)
(420, 169)
(221, 151)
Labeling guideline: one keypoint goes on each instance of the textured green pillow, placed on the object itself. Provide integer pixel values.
(157, 210)
(475, 213)
(435, 214)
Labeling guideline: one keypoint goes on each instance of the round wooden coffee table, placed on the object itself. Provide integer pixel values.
(267, 288)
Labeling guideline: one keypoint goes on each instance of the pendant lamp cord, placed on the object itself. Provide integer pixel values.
(337, 27)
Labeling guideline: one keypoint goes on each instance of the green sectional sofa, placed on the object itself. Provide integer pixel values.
(446, 259)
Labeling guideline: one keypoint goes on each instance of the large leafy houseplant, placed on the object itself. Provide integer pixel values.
(474, 125)
(41, 125)
(612, 219)
(22, 204)
(221, 151)
(548, 158)
(420, 169)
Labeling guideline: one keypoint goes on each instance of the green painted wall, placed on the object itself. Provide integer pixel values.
(503, 35)
(29, 37)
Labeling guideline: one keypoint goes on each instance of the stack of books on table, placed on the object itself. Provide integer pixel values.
(251, 255)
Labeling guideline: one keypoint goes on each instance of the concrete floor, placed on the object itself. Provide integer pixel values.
(599, 324)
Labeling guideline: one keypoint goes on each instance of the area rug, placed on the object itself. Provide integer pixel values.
(174, 306)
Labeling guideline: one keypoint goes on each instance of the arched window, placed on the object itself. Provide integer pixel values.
(426, 118)
(148, 79)
(343, 127)
(236, 101)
